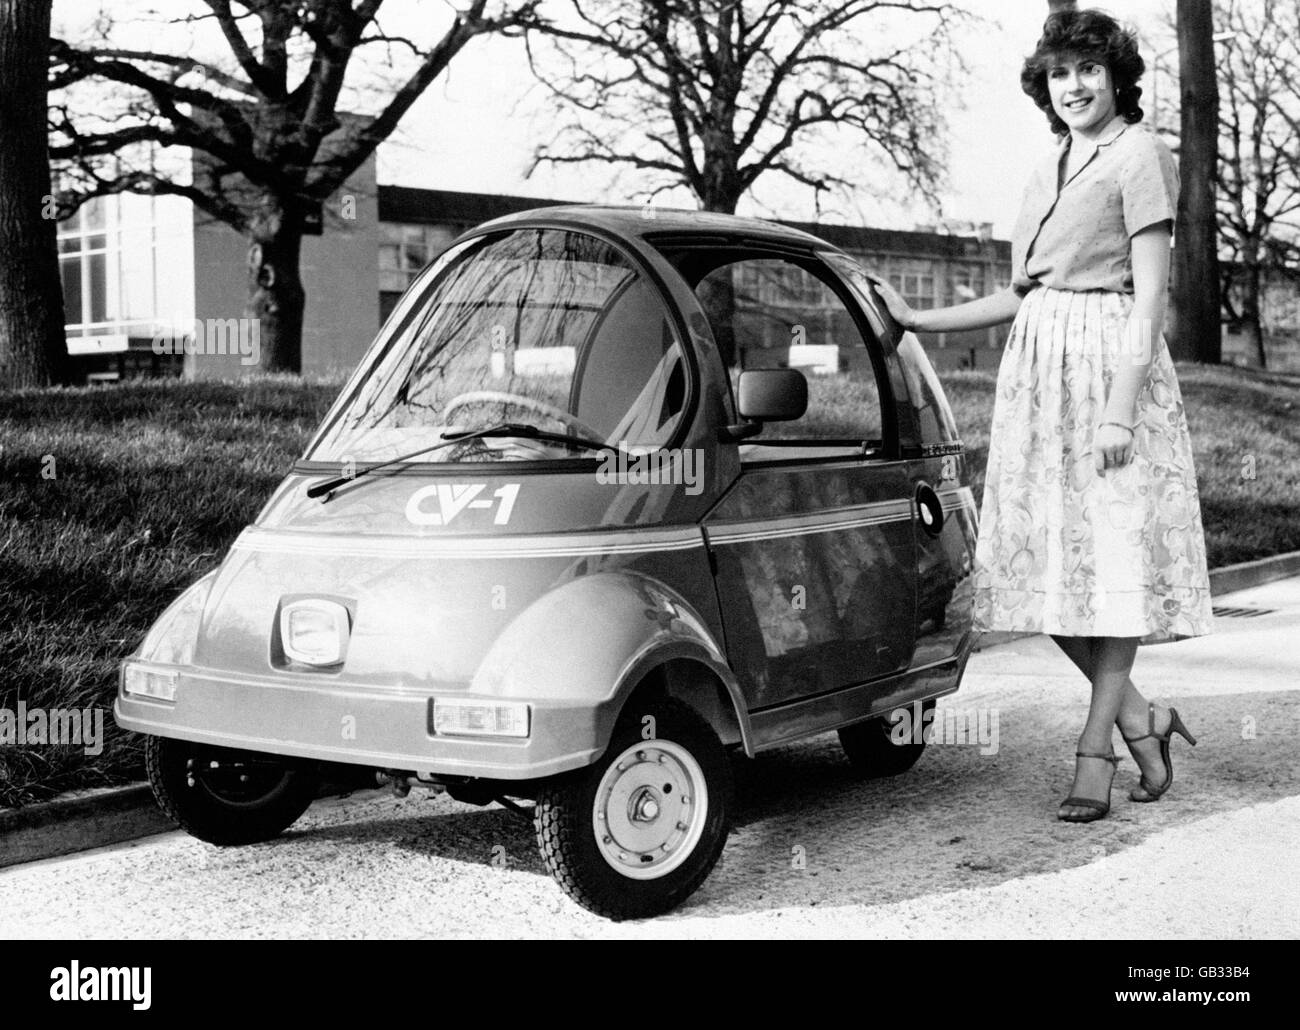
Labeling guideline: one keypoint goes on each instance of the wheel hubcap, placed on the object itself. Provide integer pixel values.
(650, 809)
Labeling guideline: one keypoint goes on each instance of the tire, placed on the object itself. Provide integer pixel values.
(873, 752)
(214, 804)
(646, 863)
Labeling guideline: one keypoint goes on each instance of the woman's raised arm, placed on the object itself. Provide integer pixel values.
(995, 309)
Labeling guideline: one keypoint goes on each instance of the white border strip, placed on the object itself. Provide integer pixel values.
(627, 541)
(804, 525)
(579, 545)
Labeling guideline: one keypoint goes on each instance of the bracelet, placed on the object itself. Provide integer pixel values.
(1121, 425)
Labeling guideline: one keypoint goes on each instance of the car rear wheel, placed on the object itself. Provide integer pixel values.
(224, 796)
(637, 833)
(884, 746)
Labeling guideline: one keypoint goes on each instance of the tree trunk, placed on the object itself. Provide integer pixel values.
(717, 294)
(1195, 330)
(717, 297)
(1250, 319)
(276, 297)
(721, 199)
(33, 345)
(721, 188)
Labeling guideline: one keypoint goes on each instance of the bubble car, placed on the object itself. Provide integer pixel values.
(614, 495)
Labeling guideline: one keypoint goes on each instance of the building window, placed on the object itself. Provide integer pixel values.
(406, 249)
(84, 249)
(914, 279)
(778, 285)
(966, 283)
(115, 287)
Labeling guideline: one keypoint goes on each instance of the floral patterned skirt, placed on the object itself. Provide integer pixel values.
(1062, 548)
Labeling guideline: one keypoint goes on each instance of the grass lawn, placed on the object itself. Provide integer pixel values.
(152, 481)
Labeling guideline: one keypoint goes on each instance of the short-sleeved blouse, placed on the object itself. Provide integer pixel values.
(1077, 236)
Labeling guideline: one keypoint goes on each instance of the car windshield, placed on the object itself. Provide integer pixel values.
(545, 328)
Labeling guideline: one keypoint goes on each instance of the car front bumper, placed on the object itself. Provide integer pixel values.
(334, 721)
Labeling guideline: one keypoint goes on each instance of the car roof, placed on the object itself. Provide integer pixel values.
(655, 224)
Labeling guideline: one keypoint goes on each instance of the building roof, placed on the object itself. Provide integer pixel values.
(899, 241)
(412, 205)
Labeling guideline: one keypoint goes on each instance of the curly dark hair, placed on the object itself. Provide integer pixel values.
(1090, 33)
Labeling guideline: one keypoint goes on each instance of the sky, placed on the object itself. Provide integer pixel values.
(477, 130)
(477, 127)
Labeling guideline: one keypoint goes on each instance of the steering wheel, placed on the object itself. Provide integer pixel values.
(520, 400)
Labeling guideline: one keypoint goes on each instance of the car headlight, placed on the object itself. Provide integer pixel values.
(139, 680)
(315, 631)
(171, 639)
(463, 717)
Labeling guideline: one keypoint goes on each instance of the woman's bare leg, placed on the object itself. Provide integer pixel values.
(1112, 662)
(1133, 719)
(1078, 650)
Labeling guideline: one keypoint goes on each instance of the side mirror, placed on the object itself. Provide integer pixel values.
(769, 395)
(773, 394)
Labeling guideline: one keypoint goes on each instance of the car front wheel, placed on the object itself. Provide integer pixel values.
(636, 834)
(224, 796)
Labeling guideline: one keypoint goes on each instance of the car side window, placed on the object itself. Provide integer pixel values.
(770, 312)
(625, 391)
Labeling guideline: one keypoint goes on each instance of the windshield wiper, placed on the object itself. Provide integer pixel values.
(447, 439)
(531, 433)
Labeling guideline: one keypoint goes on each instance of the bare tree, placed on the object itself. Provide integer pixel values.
(713, 94)
(1259, 185)
(1195, 331)
(270, 149)
(33, 349)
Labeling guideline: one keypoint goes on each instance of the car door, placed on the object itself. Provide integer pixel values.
(947, 521)
(813, 546)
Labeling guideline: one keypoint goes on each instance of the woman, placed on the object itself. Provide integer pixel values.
(1090, 526)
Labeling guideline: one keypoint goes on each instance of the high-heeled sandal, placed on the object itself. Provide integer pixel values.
(1149, 792)
(1099, 809)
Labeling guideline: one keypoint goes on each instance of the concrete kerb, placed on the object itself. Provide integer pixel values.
(78, 821)
(82, 820)
(85, 819)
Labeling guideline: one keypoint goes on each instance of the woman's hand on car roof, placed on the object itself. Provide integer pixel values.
(899, 308)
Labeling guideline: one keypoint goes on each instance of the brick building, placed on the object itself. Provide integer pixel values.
(135, 266)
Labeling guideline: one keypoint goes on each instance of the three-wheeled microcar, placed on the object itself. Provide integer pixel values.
(614, 492)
